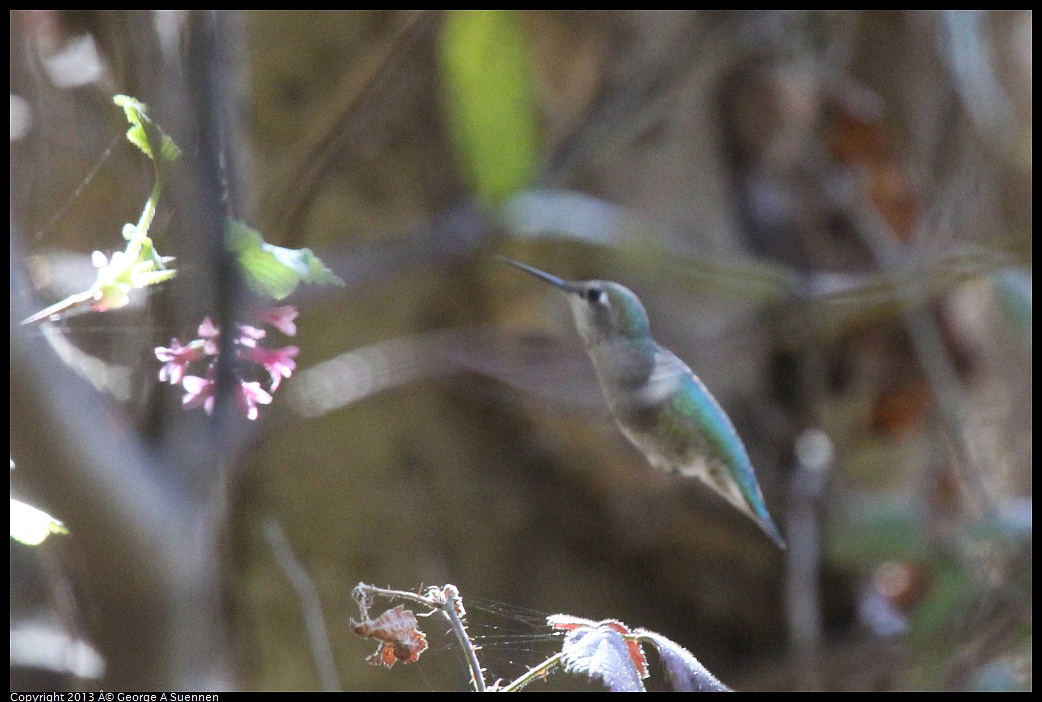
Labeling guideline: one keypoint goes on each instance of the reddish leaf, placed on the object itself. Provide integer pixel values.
(396, 628)
(566, 622)
(600, 653)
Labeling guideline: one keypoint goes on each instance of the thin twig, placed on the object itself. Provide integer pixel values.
(452, 606)
(310, 603)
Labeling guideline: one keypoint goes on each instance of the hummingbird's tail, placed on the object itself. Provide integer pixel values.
(770, 528)
(741, 490)
(756, 509)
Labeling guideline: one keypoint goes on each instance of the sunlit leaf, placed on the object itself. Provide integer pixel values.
(31, 526)
(599, 651)
(139, 265)
(490, 101)
(274, 270)
(168, 149)
(143, 133)
(601, 654)
(605, 651)
(566, 622)
(685, 672)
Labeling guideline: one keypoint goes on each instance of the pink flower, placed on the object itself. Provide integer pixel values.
(248, 335)
(177, 358)
(198, 391)
(208, 330)
(281, 318)
(252, 394)
(278, 362)
(209, 333)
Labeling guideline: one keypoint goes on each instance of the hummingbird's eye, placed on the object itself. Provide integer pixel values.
(594, 295)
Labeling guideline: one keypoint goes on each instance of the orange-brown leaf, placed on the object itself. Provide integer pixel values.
(396, 629)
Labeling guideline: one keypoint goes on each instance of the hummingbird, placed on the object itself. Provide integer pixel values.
(657, 402)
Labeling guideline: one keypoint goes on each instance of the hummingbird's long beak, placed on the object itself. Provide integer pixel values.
(565, 285)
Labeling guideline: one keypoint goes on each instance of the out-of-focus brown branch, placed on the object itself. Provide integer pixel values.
(310, 603)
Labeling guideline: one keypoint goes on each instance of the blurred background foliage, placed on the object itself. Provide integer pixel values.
(826, 213)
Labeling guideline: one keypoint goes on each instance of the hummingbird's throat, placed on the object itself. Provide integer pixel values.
(622, 364)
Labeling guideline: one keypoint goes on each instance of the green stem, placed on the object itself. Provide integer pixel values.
(540, 671)
(149, 213)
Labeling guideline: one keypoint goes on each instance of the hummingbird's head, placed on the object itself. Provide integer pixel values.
(603, 310)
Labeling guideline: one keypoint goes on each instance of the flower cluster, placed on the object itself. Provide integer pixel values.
(199, 390)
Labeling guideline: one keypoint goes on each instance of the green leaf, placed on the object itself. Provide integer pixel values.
(168, 149)
(490, 100)
(274, 270)
(143, 132)
(31, 526)
(135, 111)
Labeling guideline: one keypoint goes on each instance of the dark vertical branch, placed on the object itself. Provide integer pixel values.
(200, 196)
(204, 212)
